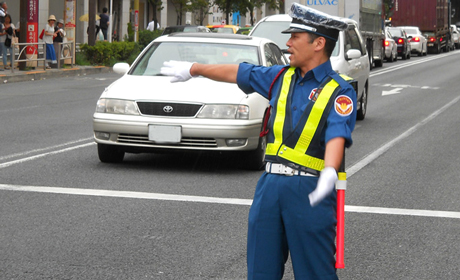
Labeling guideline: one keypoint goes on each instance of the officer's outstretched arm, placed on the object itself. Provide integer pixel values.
(332, 160)
(183, 71)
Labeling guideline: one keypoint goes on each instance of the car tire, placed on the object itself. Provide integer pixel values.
(391, 58)
(255, 160)
(404, 56)
(110, 153)
(361, 114)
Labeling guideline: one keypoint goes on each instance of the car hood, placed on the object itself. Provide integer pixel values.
(160, 88)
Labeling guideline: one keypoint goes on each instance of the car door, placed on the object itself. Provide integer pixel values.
(358, 68)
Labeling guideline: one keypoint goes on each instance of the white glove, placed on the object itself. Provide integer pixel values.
(179, 69)
(326, 184)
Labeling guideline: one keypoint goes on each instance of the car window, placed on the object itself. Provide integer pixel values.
(411, 31)
(352, 40)
(395, 32)
(272, 30)
(277, 54)
(208, 53)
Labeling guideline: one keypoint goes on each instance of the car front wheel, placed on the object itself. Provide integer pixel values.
(363, 108)
(110, 153)
(255, 160)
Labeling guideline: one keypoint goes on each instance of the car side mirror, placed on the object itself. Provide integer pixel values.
(121, 68)
(352, 54)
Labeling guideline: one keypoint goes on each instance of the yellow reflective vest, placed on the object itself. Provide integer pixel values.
(300, 148)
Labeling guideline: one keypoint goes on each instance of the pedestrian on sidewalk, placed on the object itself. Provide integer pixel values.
(48, 37)
(6, 41)
(104, 22)
(313, 114)
(3, 11)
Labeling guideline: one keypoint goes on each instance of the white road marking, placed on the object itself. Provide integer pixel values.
(45, 149)
(22, 160)
(216, 200)
(377, 153)
(408, 64)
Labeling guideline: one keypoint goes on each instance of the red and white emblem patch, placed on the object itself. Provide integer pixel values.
(312, 93)
(343, 105)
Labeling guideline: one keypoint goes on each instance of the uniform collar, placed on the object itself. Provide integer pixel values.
(319, 73)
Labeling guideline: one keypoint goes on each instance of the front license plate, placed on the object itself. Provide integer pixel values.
(165, 133)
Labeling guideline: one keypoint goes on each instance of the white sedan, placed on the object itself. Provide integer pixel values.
(418, 42)
(144, 112)
(391, 48)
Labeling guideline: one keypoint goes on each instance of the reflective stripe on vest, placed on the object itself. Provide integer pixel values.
(298, 155)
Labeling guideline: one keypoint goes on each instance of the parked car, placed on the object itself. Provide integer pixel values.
(227, 28)
(455, 36)
(391, 48)
(144, 112)
(400, 37)
(418, 42)
(349, 56)
(244, 30)
(185, 28)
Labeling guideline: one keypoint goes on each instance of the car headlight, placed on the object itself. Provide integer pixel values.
(116, 106)
(224, 112)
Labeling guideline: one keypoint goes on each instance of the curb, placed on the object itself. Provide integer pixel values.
(22, 76)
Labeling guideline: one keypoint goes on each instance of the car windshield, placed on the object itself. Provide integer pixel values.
(223, 30)
(169, 30)
(411, 31)
(208, 53)
(395, 32)
(272, 30)
(336, 50)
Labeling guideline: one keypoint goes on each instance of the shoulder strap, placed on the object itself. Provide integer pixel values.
(267, 115)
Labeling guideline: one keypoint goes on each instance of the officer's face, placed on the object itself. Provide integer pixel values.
(301, 48)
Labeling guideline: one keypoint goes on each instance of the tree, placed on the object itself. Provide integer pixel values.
(200, 8)
(244, 6)
(181, 7)
(389, 6)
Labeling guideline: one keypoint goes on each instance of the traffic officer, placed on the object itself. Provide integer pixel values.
(313, 115)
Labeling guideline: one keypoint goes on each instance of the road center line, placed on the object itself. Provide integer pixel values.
(377, 153)
(13, 162)
(216, 200)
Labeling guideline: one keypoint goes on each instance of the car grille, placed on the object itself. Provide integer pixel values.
(168, 109)
(185, 141)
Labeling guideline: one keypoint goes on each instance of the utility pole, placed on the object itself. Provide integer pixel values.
(136, 20)
(23, 34)
(92, 23)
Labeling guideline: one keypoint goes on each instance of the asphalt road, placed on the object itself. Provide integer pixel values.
(65, 215)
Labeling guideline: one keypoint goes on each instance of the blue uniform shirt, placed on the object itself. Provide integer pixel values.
(252, 78)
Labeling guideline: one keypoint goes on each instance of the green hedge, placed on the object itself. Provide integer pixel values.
(105, 53)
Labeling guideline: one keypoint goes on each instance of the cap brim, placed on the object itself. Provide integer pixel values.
(294, 30)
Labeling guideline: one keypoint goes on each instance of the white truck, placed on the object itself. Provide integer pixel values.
(367, 13)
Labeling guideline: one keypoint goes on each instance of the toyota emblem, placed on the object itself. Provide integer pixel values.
(168, 109)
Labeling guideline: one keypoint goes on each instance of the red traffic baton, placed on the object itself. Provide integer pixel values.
(341, 186)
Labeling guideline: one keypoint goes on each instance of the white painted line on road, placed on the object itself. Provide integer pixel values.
(216, 200)
(45, 149)
(127, 194)
(377, 153)
(13, 162)
(408, 64)
(402, 212)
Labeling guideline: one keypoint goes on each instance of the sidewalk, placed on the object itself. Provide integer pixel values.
(32, 75)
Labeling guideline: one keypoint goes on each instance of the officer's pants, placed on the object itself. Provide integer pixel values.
(281, 221)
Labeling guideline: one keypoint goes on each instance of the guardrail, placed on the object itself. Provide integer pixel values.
(36, 52)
